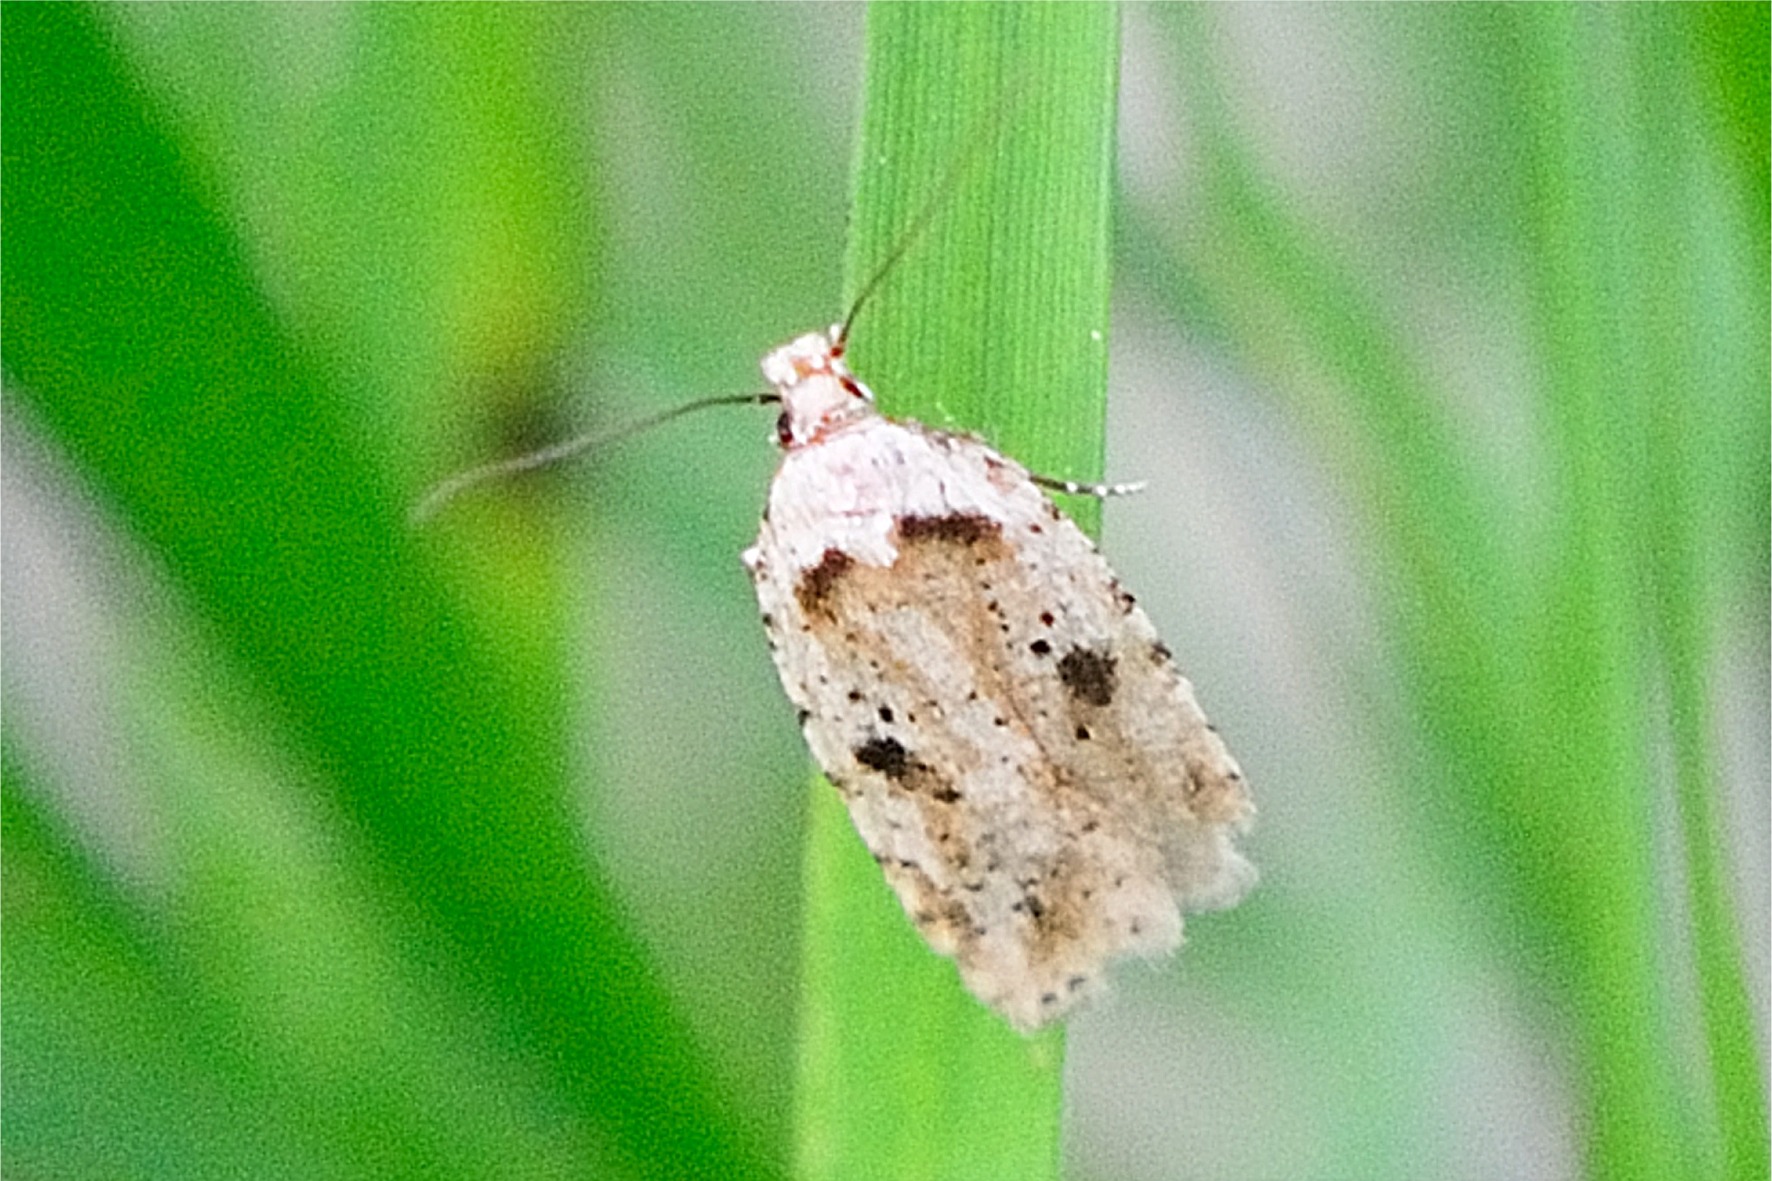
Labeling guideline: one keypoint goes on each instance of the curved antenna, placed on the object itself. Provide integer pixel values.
(989, 123)
(441, 493)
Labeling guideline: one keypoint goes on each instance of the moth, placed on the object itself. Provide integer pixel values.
(1014, 743)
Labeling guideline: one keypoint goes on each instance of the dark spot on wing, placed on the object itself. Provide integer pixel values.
(885, 755)
(816, 584)
(1045, 618)
(886, 714)
(958, 528)
(1089, 675)
(1040, 648)
(889, 757)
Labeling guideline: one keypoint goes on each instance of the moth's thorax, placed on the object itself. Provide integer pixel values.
(818, 393)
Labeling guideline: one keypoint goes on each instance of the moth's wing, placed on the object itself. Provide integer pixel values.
(1014, 744)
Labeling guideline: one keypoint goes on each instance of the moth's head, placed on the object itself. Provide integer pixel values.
(818, 393)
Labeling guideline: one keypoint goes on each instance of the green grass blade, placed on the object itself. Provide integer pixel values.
(1615, 172)
(995, 320)
(141, 341)
(1532, 649)
(1667, 278)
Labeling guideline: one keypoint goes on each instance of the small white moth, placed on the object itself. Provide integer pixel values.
(1013, 741)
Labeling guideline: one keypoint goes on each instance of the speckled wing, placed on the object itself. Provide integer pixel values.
(1013, 742)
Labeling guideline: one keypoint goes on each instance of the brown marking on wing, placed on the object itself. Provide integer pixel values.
(956, 528)
(940, 917)
(1089, 675)
(815, 585)
(885, 755)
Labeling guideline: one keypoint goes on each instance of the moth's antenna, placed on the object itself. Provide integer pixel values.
(920, 223)
(441, 493)
(988, 123)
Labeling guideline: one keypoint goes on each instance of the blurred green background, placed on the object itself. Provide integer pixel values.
(332, 850)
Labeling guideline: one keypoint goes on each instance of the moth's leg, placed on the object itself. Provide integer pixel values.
(1099, 491)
